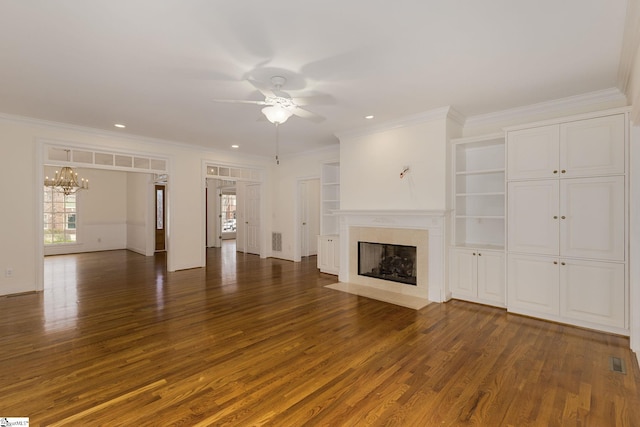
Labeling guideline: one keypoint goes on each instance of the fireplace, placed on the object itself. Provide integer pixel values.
(423, 230)
(396, 263)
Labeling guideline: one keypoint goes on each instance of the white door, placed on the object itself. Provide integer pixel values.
(592, 147)
(308, 205)
(533, 284)
(593, 292)
(491, 283)
(533, 153)
(252, 219)
(592, 218)
(533, 217)
(303, 206)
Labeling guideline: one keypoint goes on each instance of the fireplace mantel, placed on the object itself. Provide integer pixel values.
(431, 220)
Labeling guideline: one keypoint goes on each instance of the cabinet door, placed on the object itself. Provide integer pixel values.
(533, 153)
(533, 284)
(463, 273)
(592, 147)
(491, 276)
(335, 255)
(593, 292)
(532, 217)
(592, 220)
(323, 252)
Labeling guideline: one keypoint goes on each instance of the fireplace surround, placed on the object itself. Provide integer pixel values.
(423, 229)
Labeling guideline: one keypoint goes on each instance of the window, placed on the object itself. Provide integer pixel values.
(228, 213)
(60, 217)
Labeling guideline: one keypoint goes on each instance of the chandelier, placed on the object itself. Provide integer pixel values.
(66, 181)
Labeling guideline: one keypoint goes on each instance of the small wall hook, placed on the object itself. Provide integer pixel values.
(405, 171)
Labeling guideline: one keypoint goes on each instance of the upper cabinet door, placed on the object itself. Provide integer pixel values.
(592, 218)
(533, 218)
(592, 147)
(533, 153)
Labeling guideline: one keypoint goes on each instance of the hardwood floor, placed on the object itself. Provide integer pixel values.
(115, 340)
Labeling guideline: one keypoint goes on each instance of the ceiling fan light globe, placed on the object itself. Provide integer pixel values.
(276, 115)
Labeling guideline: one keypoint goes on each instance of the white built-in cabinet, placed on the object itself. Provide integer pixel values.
(567, 221)
(328, 241)
(329, 254)
(478, 275)
(477, 270)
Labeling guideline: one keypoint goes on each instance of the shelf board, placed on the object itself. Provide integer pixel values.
(330, 183)
(483, 246)
(480, 194)
(331, 200)
(480, 171)
(479, 216)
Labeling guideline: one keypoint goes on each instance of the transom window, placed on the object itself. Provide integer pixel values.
(60, 217)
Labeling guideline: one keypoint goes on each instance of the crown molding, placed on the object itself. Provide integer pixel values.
(441, 113)
(557, 106)
(122, 135)
(630, 43)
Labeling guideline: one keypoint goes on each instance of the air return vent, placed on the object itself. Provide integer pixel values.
(276, 242)
(617, 365)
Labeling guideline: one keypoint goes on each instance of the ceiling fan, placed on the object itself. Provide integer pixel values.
(278, 105)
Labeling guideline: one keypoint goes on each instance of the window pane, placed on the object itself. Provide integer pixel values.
(60, 217)
(159, 209)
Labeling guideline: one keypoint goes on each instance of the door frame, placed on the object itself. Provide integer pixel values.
(43, 144)
(240, 181)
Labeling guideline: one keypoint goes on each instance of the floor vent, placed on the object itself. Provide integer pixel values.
(617, 365)
(276, 242)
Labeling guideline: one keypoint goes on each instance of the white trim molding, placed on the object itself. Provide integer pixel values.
(432, 221)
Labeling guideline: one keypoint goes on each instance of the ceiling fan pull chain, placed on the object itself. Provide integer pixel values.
(277, 145)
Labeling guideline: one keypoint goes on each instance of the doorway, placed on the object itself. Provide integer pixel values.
(160, 233)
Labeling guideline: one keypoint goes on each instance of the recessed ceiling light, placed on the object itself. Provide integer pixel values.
(235, 146)
(368, 117)
(121, 126)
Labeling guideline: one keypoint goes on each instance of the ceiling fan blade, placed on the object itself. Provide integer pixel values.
(239, 101)
(305, 114)
(267, 92)
(314, 100)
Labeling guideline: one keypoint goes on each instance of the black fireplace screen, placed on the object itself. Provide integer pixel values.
(388, 262)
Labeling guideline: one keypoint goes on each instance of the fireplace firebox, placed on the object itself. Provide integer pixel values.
(387, 262)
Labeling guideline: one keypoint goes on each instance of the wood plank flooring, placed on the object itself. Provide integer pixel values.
(115, 340)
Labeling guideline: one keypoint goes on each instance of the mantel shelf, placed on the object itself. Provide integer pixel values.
(480, 171)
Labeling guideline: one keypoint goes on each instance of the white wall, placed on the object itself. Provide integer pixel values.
(102, 213)
(370, 167)
(140, 213)
(284, 196)
(20, 163)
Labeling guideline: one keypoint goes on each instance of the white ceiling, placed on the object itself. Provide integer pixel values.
(156, 65)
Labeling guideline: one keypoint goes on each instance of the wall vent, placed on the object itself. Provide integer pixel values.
(276, 242)
(616, 364)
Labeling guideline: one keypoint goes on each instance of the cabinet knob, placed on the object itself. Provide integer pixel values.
(479, 254)
(555, 217)
(563, 171)
(563, 217)
(474, 254)
(555, 262)
(562, 263)
(555, 171)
